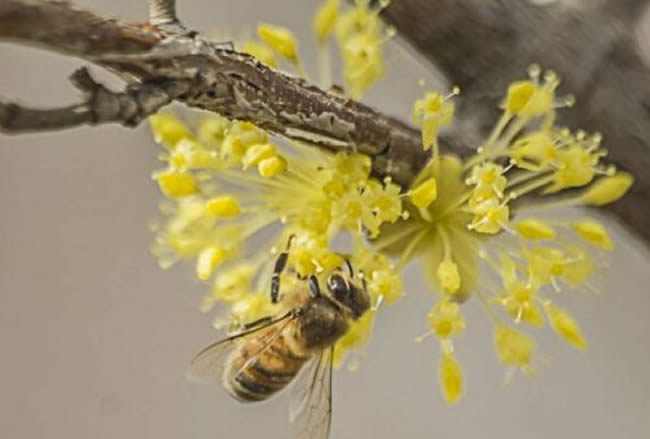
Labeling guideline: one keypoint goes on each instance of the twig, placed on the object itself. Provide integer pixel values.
(99, 106)
(162, 14)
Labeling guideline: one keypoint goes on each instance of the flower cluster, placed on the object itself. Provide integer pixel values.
(466, 221)
(313, 195)
(358, 31)
(471, 223)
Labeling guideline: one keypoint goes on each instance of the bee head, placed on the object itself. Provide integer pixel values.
(344, 289)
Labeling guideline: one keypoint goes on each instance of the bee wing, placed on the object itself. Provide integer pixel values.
(310, 410)
(208, 365)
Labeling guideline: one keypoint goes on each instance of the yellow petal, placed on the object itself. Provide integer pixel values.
(208, 260)
(519, 94)
(176, 184)
(279, 39)
(451, 378)
(448, 276)
(225, 206)
(535, 229)
(425, 194)
(594, 233)
(566, 326)
(608, 189)
(257, 153)
(168, 130)
(325, 20)
(260, 51)
(272, 166)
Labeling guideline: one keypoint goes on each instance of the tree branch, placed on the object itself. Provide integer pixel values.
(484, 45)
(100, 105)
(220, 80)
(480, 45)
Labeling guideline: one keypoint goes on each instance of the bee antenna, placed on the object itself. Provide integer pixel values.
(349, 265)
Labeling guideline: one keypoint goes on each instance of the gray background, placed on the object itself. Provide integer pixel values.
(94, 337)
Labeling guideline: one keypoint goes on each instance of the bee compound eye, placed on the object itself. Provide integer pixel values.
(338, 287)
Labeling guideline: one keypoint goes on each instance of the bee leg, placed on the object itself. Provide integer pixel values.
(314, 287)
(256, 323)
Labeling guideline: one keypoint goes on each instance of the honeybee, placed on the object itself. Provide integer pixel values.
(268, 354)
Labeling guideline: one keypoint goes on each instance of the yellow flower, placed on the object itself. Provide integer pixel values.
(432, 112)
(519, 298)
(249, 308)
(464, 220)
(360, 35)
(529, 99)
(386, 284)
(445, 320)
(363, 63)
(514, 348)
(385, 201)
(357, 336)
(534, 152)
(490, 216)
(234, 283)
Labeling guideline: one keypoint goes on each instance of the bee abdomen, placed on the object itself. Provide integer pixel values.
(256, 379)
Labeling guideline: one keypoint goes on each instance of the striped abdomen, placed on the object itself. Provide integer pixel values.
(262, 377)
